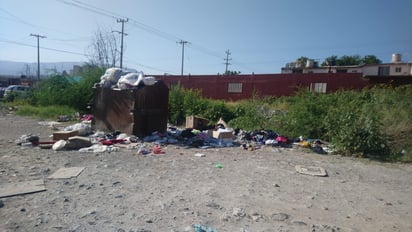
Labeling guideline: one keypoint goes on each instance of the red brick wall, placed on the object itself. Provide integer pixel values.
(216, 86)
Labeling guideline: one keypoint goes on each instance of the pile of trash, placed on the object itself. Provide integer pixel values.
(80, 136)
(117, 78)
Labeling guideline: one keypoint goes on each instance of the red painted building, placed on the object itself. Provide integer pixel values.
(239, 87)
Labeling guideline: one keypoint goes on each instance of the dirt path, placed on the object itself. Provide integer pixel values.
(253, 191)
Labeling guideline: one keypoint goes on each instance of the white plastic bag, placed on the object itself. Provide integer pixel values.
(111, 77)
(149, 80)
(129, 80)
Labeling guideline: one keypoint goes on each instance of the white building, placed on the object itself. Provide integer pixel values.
(395, 68)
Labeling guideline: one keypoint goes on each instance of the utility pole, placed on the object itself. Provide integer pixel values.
(38, 53)
(227, 59)
(182, 42)
(122, 33)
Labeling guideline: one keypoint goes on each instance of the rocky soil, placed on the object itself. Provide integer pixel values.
(252, 191)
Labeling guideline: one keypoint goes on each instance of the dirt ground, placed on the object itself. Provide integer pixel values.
(252, 191)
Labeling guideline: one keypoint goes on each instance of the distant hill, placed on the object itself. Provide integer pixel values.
(28, 68)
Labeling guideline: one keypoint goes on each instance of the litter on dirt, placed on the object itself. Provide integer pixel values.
(20, 188)
(311, 170)
(66, 173)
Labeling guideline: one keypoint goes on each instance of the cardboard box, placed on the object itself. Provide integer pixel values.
(65, 135)
(196, 122)
(222, 135)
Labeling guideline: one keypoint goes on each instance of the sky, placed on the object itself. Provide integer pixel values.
(260, 35)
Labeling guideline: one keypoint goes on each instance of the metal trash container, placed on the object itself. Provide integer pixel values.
(139, 111)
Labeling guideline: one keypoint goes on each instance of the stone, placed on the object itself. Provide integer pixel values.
(279, 216)
(239, 212)
(78, 142)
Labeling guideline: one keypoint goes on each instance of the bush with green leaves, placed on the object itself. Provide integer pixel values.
(305, 115)
(45, 112)
(253, 114)
(53, 91)
(356, 129)
(217, 109)
(176, 104)
(63, 90)
(184, 102)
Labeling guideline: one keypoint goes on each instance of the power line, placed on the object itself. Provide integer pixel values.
(87, 8)
(122, 21)
(44, 48)
(81, 54)
(38, 52)
(182, 42)
(137, 24)
(41, 28)
(227, 59)
(147, 66)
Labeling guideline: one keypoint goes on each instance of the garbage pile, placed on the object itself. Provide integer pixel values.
(117, 78)
(80, 136)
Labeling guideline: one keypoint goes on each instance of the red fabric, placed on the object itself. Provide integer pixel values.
(111, 141)
(158, 150)
(282, 139)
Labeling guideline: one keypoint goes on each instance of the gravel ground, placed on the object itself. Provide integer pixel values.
(252, 191)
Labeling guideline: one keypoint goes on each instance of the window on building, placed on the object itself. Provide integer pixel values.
(383, 71)
(318, 87)
(398, 69)
(234, 88)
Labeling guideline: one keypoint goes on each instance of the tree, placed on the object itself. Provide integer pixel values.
(350, 60)
(232, 73)
(302, 61)
(103, 50)
(330, 61)
(371, 59)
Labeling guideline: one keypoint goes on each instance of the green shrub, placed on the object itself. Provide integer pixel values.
(52, 91)
(193, 103)
(65, 91)
(176, 104)
(306, 114)
(355, 132)
(216, 109)
(45, 112)
(253, 114)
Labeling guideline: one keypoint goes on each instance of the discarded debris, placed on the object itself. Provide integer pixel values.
(219, 166)
(66, 173)
(203, 228)
(200, 155)
(19, 188)
(311, 170)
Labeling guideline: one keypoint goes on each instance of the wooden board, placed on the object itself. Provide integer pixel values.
(311, 170)
(66, 173)
(19, 188)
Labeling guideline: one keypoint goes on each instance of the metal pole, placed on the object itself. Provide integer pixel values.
(182, 42)
(38, 53)
(121, 44)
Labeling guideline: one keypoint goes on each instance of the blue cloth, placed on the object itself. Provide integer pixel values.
(203, 228)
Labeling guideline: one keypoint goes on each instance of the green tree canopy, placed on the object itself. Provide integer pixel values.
(371, 59)
(350, 60)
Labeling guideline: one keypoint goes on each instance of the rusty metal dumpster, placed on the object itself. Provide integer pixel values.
(140, 111)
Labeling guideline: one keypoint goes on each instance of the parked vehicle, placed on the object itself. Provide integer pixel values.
(2, 92)
(16, 91)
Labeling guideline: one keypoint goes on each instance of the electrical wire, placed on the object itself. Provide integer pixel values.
(138, 24)
(45, 48)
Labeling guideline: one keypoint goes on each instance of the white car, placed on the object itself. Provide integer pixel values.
(17, 90)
